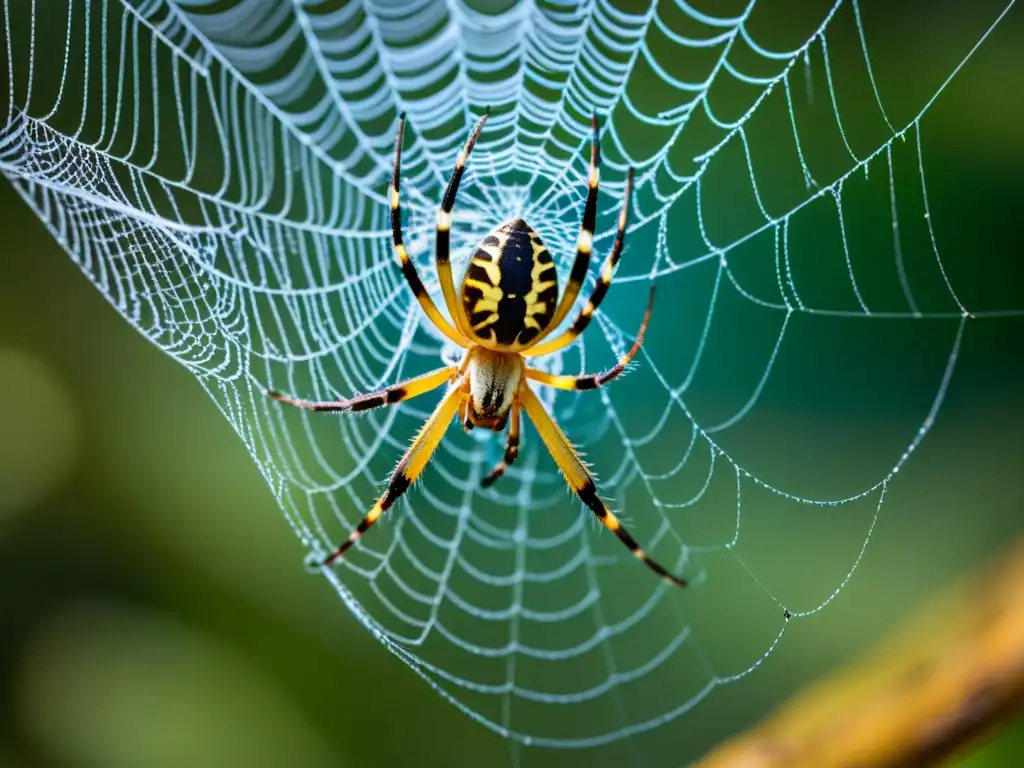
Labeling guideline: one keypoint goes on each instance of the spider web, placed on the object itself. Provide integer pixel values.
(218, 170)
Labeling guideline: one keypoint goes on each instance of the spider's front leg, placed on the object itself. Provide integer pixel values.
(443, 237)
(402, 255)
(585, 242)
(600, 289)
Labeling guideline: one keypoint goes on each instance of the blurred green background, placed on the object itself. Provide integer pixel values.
(155, 609)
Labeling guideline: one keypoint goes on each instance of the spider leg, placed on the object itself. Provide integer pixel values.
(408, 268)
(408, 469)
(597, 296)
(396, 394)
(582, 482)
(467, 423)
(585, 243)
(511, 449)
(595, 380)
(444, 225)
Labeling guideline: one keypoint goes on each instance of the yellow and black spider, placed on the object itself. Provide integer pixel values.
(507, 308)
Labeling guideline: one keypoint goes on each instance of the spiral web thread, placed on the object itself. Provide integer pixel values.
(218, 171)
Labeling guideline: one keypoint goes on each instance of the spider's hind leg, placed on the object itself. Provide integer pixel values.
(467, 423)
(511, 447)
(582, 482)
(409, 468)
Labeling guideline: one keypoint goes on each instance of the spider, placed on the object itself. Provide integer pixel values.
(508, 305)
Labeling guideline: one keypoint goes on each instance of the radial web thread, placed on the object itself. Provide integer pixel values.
(218, 170)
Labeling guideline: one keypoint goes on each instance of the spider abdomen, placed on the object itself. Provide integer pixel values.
(510, 289)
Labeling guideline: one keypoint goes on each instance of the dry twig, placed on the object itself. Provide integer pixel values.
(946, 679)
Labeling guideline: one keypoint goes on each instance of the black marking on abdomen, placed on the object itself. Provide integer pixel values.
(516, 264)
(526, 280)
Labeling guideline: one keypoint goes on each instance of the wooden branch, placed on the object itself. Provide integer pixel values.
(942, 682)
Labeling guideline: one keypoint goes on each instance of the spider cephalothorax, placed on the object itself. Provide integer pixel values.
(508, 305)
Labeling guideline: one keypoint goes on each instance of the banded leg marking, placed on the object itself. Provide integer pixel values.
(405, 390)
(582, 482)
(600, 290)
(585, 244)
(595, 380)
(511, 449)
(409, 468)
(444, 225)
(408, 268)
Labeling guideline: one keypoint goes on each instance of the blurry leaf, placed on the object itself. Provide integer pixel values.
(39, 428)
(114, 687)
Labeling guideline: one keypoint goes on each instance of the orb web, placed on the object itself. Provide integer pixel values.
(218, 171)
